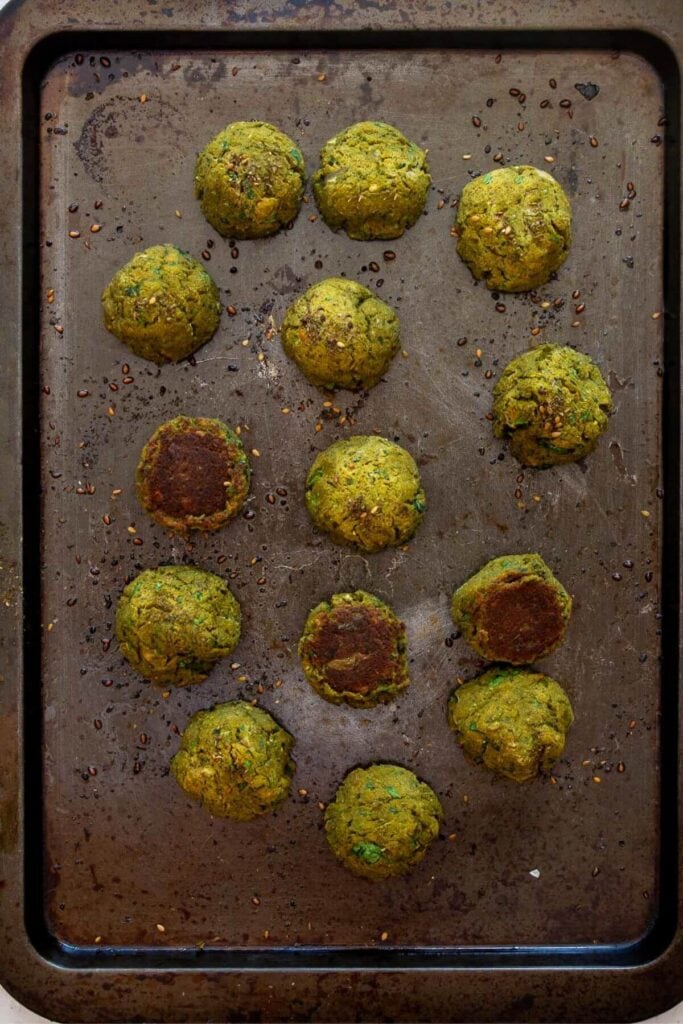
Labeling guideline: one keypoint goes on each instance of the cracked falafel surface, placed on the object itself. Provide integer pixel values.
(365, 491)
(513, 721)
(340, 335)
(162, 304)
(372, 181)
(173, 623)
(249, 180)
(235, 761)
(552, 404)
(382, 821)
(514, 227)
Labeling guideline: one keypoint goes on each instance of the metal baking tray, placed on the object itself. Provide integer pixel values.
(121, 900)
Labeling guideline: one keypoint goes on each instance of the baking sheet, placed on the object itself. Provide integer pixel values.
(126, 852)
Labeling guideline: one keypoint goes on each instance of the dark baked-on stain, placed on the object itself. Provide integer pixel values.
(356, 647)
(522, 618)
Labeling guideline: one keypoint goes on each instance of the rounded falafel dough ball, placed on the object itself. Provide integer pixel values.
(163, 305)
(353, 650)
(372, 181)
(235, 760)
(365, 491)
(514, 228)
(193, 474)
(552, 404)
(175, 622)
(340, 335)
(512, 610)
(382, 820)
(512, 720)
(250, 180)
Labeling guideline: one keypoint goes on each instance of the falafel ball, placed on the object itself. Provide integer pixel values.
(382, 820)
(512, 720)
(372, 181)
(249, 180)
(353, 650)
(163, 305)
(235, 760)
(514, 228)
(365, 490)
(175, 622)
(193, 474)
(340, 335)
(552, 404)
(512, 610)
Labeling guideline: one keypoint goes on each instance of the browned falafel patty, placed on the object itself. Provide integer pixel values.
(193, 474)
(513, 609)
(353, 650)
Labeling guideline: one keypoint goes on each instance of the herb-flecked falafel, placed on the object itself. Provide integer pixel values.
(353, 650)
(250, 180)
(512, 720)
(340, 335)
(365, 490)
(163, 305)
(175, 622)
(552, 404)
(514, 228)
(372, 181)
(235, 760)
(382, 820)
(512, 610)
(193, 474)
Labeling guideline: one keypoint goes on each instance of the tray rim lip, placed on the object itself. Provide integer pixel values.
(673, 951)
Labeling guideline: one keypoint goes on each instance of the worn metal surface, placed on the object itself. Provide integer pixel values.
(134, 877)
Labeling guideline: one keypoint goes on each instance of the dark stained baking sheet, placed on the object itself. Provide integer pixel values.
(135, 902)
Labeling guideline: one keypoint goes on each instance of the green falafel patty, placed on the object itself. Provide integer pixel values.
(175, 622)
(514, 228)
(163, 305)
(366, 491)
(193, 474)
(512, 720)
(249, 180)
(340, 335)
(353, 650)
(372, 181)
(382, 820)
(235, 760)
(552, 404)
(512, 610)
